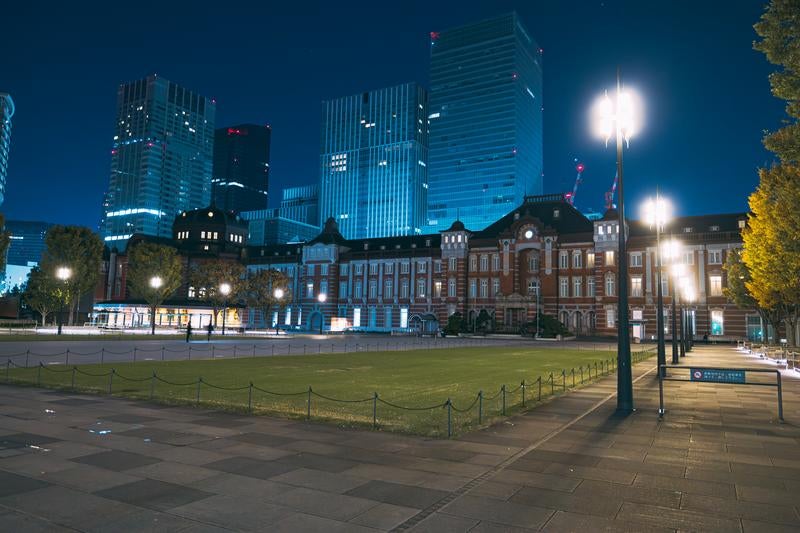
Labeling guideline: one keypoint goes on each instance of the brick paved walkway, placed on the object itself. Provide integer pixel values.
(718, 461)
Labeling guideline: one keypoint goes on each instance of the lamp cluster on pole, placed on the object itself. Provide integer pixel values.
(617, 117)
(322, 297)
(657, 213)
(63, 274)
(225, 290)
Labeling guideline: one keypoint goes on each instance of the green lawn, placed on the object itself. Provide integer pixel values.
(416, 380)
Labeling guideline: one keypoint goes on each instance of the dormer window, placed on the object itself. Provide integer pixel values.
(459, 237)
(366, 246)
(741, 224)
(556, 213)
(714, 228)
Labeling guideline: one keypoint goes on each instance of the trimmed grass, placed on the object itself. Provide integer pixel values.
(419, 381)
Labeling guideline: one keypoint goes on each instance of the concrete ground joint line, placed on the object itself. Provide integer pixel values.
(444, 502)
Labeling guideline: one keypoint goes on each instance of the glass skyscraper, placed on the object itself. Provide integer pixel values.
(6, 112)
(241, 167)
(161, 159)
(485, 122)
(373, 162)
(301, 204)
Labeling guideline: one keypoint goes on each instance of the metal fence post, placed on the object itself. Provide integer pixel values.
(449, 418)
(780, 396)
(522, 386)
(134, 354)
(595, 370)
(573, 376)
(213, 349)
(539, 380)
(503, 411)
(552, 385)
(66, 363)
(564, 380)
(308, 412)
(375, 411)
(153, 385)
(72, 385)
(581, 374)
(199, 381)
(39, 375)
(162, 353)
(8, 366)
(250, 398)
(480, 407)
(27, 355)
(111, 381)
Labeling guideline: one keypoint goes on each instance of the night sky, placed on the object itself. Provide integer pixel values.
(705, 89)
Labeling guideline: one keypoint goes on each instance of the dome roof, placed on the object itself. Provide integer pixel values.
(457, 226)
(611, 214)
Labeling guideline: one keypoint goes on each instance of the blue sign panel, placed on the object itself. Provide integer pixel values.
(717, 375)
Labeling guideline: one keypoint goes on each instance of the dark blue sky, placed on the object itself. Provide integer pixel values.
(705, 90)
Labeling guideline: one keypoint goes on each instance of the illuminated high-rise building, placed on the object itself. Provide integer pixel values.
(373, 162)
(6, 112)
(485, 122)
(241, 167)
(161, 159)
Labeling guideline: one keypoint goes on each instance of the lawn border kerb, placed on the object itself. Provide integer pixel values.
(452, 422)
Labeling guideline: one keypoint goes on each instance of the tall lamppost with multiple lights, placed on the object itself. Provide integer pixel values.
(225, 290)
(155, 283)
(617, 118)
(689, 297)
(657, 213)
(321, 298)
(670, 251)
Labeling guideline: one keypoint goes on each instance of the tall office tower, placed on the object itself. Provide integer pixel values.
(241, 167)
(6, 112)
(301, 204)
(485, 122)
(373, 163)
(27, 241)
(161, 159)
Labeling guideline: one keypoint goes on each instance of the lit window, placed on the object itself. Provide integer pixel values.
(437, 289)
(636, 286)
(715, 285)
(636, 260)
(610, 318)
(404, 267)
(609, 258)
(309, 290)
(715, 257)
(533, 262)
(473, 288)
(421, 288)
(451, 288)
(577, 259)
(610, 284)
(563, 287)
(388, 268)
(452, 264)
(590, 260)
(422, 267)
(717, 323)
(563, 260)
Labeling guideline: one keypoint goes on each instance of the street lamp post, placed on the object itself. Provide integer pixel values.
(278, 294)
(617, 119)
(63, 274)
(671, 251)
(689, 297)
(321, 298)
(657, 214)
(225, 289)
(155, 283)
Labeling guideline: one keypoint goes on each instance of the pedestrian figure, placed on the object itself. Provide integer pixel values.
(188, 331)
(210, 329)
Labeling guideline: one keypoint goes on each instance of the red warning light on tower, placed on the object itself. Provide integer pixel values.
(434, 36)
(579, 167)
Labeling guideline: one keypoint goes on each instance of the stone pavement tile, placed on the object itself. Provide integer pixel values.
(562, 457)
(222, 421)
(495, 490)
(452, 468)
(205, 528)
(325, 504)
(692, 486)
(535, 479)
(652, 515)
(762, 495)
(188, 455)
(306, 523)
(76, 402)
(263, 439)
(67, 507)
(491, 527)
(254, 451)
(247, 513)
(443, 523)
(604, 489)
(488, 449)
(661, 469)
(579, 523)
(317, 462)
(779, 514)
(35, 463)
(319, 448)
(445, 483)
(174, 438)
(726, 476)
(397, 494)
(384, 516)
(320, 480)
(753, 526)
(563, 501)
(88, 478)
(70, 450)
(23, 522)
(590, 472)
(25, 440)
(531, 465)
(11, 483)
(389, 473)
(235, 485)
(245, 466)
(137, 519)
(617, 452)
(116, 460)
(173, 472)
(507, 513)
(437, 453)
(153, 494)
(486, 459)
(129, 418)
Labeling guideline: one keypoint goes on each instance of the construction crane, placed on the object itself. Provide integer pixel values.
(578, 180)
(610, 194)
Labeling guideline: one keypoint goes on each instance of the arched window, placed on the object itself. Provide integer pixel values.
(610, 284)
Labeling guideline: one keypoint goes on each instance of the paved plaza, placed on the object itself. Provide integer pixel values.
(718, 461)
